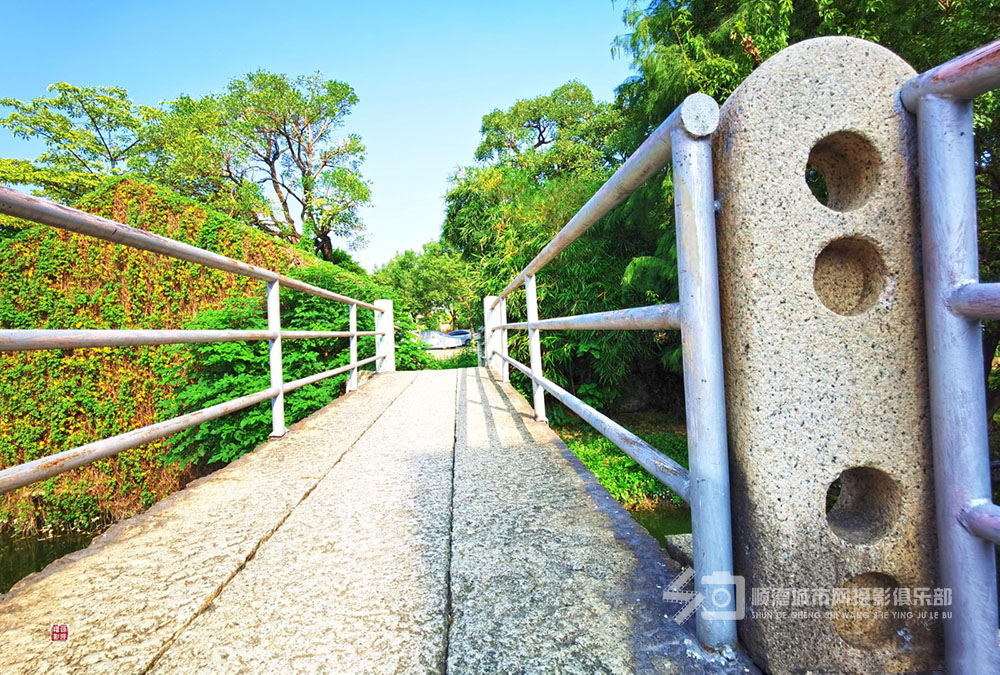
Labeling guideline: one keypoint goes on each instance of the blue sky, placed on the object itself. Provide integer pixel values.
(425, 72)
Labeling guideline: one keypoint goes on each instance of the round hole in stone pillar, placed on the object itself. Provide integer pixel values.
(867, 618)
(849, 275)
(842, 170)
(862, 504)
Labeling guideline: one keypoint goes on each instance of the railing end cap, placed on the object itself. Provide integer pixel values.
(699, 114)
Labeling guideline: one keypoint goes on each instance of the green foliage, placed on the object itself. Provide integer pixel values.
(540, 160)
(265, 129)
(679, 48)
(627, 482)
(274, 130)
(466, 358)
(501, 215)
(52, 401)
(435, 282)
(409, 354)
(207, 374)
(90, 133)
(547, 135)
(188, 153)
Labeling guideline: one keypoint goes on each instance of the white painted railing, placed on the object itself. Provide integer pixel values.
(42, 211)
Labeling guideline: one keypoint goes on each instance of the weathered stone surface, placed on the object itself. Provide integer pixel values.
(363, 541)
(355, 581)
(138, 585)
(680, 547)
(825, 363)
(548, 572)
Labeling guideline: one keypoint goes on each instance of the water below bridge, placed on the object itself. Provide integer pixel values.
(424, 523)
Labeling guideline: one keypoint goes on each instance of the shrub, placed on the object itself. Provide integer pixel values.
(207, 374)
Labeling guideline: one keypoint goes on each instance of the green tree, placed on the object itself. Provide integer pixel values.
(501, 212)
(190, 152)
(89, 133)
(547, 135)
(267, 150)
(432, 282)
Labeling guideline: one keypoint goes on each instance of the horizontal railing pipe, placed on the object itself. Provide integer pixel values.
(698, 115)
(298, 384)
(654, 317)
(36, 209)
(29, 340)
(53, 465)
(42, 211)
(320, 334)
(33, 340)
(666, 470)
(982, 520)
(976, 301)
(964, 77)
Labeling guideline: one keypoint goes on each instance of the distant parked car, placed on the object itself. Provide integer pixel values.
(465, 335)
(435, 339)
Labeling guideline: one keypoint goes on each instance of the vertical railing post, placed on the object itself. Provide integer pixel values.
(704, 390)
(274, 358)
(352, 326)
(502, 340)
(534, 346)
(385, 344)
(490, 336)
(496, 337)
(957, 389)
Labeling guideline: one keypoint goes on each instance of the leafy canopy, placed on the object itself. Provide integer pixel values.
(562, 131)
(266, 151)
(433, 282)
(503, 210)
(268, 146)
(90, 133)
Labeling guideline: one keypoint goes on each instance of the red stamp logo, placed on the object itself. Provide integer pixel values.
(59, 632)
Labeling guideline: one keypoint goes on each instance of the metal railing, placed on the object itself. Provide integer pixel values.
(968, 522)
(685, 140)
(42, 211)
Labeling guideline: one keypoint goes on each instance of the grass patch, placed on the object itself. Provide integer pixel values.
(628, 482)
(464, 359)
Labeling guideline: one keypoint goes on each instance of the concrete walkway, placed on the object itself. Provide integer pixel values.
(424, 523)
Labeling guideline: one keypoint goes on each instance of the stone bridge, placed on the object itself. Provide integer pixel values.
(430, 522)
(422, 523)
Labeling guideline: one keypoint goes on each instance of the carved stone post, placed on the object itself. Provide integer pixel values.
(826, 378)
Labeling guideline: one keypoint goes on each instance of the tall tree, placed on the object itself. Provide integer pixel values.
(286, 128)
(189, 151)
(267, 149)
(539, 162)
(563, 131)
(89, 133)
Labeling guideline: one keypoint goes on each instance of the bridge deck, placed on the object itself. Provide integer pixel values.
(423, 523)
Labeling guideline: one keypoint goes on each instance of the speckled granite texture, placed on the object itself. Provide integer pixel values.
(549, 573)
(422, 524)
(140, 584)
(825, 364)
